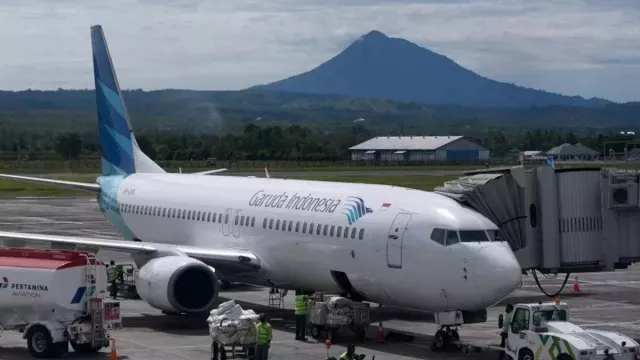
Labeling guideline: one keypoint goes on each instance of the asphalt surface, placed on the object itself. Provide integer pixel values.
(606, 301)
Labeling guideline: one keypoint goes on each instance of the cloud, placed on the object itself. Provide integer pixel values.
(215, 44)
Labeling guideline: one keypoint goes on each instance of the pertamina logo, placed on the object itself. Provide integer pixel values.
(4, 284)
(355, 209)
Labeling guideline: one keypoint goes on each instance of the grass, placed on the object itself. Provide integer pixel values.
(13, 189)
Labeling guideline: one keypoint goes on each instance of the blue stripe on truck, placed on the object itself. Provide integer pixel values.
(79, 294)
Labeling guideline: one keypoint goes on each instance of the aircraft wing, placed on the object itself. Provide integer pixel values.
(53, 182)
(229, 261)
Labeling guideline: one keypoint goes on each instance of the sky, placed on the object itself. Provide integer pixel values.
(589, 48)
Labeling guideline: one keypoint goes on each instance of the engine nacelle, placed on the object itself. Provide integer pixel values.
(178, 284)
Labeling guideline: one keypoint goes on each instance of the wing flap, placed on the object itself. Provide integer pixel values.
(238, 258)
(54, 182)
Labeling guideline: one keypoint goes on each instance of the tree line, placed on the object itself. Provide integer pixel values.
(275, 142)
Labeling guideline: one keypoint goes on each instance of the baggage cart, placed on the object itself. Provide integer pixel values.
(325, 321)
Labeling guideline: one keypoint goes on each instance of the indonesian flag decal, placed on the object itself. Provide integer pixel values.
(385, 206)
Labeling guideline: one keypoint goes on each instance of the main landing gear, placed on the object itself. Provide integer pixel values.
(446, 338)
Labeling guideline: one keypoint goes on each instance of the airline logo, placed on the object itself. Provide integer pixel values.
(295, 201)
(355, 209)
(4, 284)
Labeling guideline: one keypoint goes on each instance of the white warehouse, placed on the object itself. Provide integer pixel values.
(419, 149)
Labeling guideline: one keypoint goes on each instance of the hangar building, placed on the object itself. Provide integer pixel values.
(419, 149)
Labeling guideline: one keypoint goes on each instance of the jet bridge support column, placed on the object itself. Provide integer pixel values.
(549, 218)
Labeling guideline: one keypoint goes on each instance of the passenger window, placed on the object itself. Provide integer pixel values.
(520, 321)
(284, 225)
(339, 231)
(304, 228)
(188, 214)
(270, 224)
(242, 220)
(235, 220)
(220, 218)
(346, 232)
(164, 212)
(333, 229)
(318, 229)
(311, 229)
(179, 213)
(290, 225)
(253, 221)
(226, 218)
(452, 237)
(173, 213)
(208, 217)
(264, 223)
(326, 229)
(297, 226)
(361, 234)
(438, 235)
(353, 233)
(199, 213)
(278, 225)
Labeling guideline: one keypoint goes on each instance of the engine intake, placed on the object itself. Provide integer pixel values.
(178, 284)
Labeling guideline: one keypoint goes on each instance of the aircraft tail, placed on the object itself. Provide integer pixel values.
(120, 154)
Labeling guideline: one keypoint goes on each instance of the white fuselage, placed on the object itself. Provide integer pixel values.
(389, 257)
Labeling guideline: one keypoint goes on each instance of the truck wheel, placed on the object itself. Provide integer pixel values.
(564, 357)
(525, 354)
(84, 348)
(39, 342)
(315, 331)
(439, 341)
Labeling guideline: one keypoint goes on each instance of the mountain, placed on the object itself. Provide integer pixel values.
(377, 66)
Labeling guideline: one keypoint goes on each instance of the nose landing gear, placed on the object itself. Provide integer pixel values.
(446, 338)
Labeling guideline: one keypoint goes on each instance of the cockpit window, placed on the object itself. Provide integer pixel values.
(452, 237)
(473, 236)
(437, 235)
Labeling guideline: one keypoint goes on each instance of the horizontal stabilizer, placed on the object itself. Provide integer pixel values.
(73, 185)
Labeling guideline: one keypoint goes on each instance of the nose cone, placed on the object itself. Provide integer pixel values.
(498, 272)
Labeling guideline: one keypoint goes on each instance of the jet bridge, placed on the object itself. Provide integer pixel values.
(566, 220)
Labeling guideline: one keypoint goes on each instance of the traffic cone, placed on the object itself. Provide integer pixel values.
(380, 334)
(114, 354)
(576, 285)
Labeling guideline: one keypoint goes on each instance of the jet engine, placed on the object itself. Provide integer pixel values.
(178, 284)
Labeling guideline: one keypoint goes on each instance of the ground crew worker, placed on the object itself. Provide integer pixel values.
(301, 315)
(112, 277)
(350, 354)
(506, 323)
(264, 333)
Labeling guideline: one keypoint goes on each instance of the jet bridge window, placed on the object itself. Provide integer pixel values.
(473, 236)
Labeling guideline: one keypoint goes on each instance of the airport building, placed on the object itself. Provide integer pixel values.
(419, 149)
(577, 152)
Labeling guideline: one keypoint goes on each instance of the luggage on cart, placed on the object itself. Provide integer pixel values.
(328, 314)
(233, 332)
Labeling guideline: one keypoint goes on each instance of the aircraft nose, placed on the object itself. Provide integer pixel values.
(498, 271)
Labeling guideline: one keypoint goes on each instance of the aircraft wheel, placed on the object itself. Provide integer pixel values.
(315, 331)
(440, 341)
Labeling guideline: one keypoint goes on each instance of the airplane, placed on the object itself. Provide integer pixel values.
(384, 244)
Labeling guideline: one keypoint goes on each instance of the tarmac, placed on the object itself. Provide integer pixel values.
(608, 301)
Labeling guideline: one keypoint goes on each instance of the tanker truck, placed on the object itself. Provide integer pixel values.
(56, 298)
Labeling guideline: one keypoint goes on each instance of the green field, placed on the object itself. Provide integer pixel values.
(12, 189)
(311, 171)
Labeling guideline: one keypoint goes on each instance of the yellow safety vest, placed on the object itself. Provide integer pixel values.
(301, 304)
(112, 273)
(264, 333)
(347, 357)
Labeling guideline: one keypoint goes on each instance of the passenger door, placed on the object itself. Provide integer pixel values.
(236, 223)
(395, 240)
